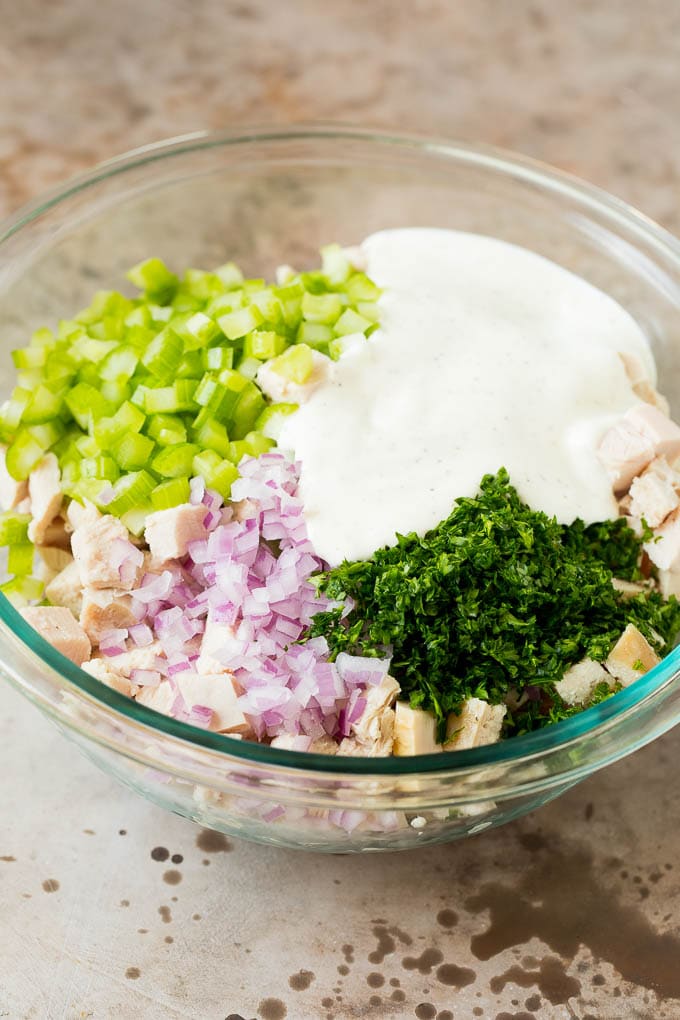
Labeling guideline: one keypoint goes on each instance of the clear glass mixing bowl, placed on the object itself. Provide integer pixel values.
(264, 197)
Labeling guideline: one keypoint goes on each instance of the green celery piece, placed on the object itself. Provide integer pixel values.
(212, 436)
(236, 324)
(370, 310)
(163, 355)
(20, 559)
(43, 406)
(238, 449)
(135, 519)
(14, 528)
(258, 443)
(130, 492)
(360, 288)
(22, 590)
(324, 308)
(205, 463)
(102, 467)
(23, 454)
(221, 478)
(196, 330)
(273, 418)
(216, 359)
(170, 399)
(12, 410)
(175, 461)
(29, 357)
(250, 405)
(155, 279)
(86, 348)
(296, 364)
(230, 276)
(120, 364)
(85, 403)
(127, 418)
(248, 368)
(342, 344)
(268, 305)
(166, 429)
(116, 391)
(173, 492)
(264, 345)
(336, 266)
(351, 322)
(132, 451)
(314, 334)
(201, 285)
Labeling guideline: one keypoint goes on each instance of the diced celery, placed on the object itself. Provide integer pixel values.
(314, 334)
(132, 451)
(48, 433)
(85, 402)
(197, 330)
(98, 467)
(88, 349)
(191, 366)
(370, 310)
(205, 463)
(342, 344)
(139, 338)
(174, 492)
(166, 429)
(218, 358)
(12, 410)
(87, 446)
(248, 409)
(296, 364)
(360, 288)
(264, 345)
(221, 478)
(170, 399)
(230, 275)
(20, 559)
(22, 590)
(23, 454)
(351, 322)
(127, 418)
(335, 263)
(155, 279)
(249, 367)
(321, 307)
(236, 324)
(258, 443)
(273, 418)
(163, 355)
(135, 519)
(116, 391)
(29, 357)
(120, 364)
(268, 305)
(44, 405)
(213, 436)
(131, 491)
(13, 528)
(175, 461)
(201, 285)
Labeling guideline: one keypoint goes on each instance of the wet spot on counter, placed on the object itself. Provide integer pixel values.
(234, 1016)
(122, 832)
(301, 981)
(133, 973)
(447, 918)
(532, 841)
(550, 978)
(160, 853)
(272, 1009)
(174, 899)
(336, 881)
(348, 953)
(176, 858)
(599, 979)
(27, 895)
(425, 1011)
(655, 877)
(425, 963)
(398, 996)
(515, 1016)
(533, 1003)
(8, 858)
(205, 862)
(343, 969)
(166, 915)
(169, 939)
(445, 1014)
(195, 917)
(478, 1011)
(375, 1000)
(124, 903)
(589, 811)
(89, 832)
(50, 885)
(172, 877)
(456, 977)
(375, 980)
(211, 842)
(668, 866)
(387, 942)
(547, 904)
(395, 982)
(143, 931)
(327, 1002)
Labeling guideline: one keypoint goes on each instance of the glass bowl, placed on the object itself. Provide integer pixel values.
(264, 197)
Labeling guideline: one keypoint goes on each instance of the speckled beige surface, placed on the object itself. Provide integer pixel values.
(571, 913)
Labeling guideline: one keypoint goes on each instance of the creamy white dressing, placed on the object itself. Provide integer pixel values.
(487, 355)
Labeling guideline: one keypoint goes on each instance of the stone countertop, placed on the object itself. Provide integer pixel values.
(111, 908)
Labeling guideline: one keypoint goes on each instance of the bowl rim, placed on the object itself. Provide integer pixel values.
(521, 748)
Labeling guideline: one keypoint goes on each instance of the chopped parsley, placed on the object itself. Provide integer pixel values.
(497, 598)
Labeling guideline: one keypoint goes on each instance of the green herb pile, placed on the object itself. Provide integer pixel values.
(496, 597)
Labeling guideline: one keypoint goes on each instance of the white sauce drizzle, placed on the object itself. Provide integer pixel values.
(487, 355)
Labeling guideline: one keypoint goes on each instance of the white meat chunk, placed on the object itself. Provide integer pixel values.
(641, 383)
(101, 670)
(80, 514)
(580, 680)
(105, 609)
(147, 657)
(293, 742)
(66, 590)
(217, 638)
(654, 492)
(415, 731)
(59, 627)
(216, 692)
(477, 724)
(282, 390)
(54, 559)
(628, 589)
(664, 548)
(642, 434)
(169, 532)
(669, 583)
(373, 732)
(105, 556)
(160, 698)
(44, 489)
(631, 657)
(12, 492)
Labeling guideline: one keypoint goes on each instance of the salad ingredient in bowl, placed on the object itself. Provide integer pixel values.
(421, 499)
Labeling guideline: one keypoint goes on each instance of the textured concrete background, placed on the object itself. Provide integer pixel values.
(572, 913)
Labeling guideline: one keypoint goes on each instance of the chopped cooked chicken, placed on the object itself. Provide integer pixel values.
(105, 609)
(80, 514)
(59, 627)
(293, 742)
(373, 733)
(105, 556)
(280, 389)
(477, 724)
(54, 558)
(216, 638)
(148, 657)
(44, 489)
(631, 657)
(654, 492)
(215, 692)
(642, 434)
(664, 548)
(12, 493)
(628, 589)
(66, 589)
(101, 670)
(580, 680)
(641, 383)
(169, 532)
(415, 731)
